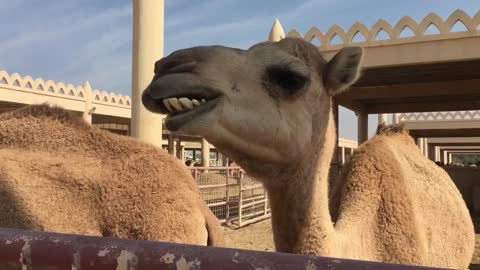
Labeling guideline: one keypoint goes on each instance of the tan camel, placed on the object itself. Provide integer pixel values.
(269, 109)
(59, 174)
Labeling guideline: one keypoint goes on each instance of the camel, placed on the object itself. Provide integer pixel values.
(269, 108)
(60, 174)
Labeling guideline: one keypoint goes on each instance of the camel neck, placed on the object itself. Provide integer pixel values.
(300, 210)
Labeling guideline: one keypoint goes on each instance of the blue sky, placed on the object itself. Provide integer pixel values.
(78, 40)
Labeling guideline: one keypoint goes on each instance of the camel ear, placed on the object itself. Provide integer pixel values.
(343, 70)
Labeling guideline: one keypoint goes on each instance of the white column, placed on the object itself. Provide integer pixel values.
(277, 32)
(171, 144)
(148, 19)
(437, 153)
(445, 156)
(382, 118)
(450, 158)
(205, 153)
(362, 127)
(425, 147)
(395, 118)
(88, 112)
(420, 144)
(343, 155)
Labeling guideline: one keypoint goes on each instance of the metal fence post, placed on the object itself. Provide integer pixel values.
(240, 200)
(227, 197)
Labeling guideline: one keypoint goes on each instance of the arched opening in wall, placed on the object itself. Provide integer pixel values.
(358, 38)
(382, 35)
(406, 32)
(315, 41)
(336, 40)
(459, 27)
(432, 30)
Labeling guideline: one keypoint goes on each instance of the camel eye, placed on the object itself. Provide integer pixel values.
(287, 79)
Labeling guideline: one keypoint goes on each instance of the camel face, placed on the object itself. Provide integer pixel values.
(245, 102)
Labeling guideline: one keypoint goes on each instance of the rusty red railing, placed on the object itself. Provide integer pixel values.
(31, 250)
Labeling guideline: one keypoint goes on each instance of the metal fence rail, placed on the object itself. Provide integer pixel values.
(234, 197)
(28, 250)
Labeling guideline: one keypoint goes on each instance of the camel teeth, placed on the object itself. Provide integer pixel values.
(175, 104)
(203, 101)
(196, 102)
(167, 104)
(186, 103)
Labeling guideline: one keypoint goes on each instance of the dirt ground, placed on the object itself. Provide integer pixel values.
(258, 236)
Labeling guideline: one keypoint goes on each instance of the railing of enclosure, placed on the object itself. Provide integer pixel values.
(234, 197)
(41, 251)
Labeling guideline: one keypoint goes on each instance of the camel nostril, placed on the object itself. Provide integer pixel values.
(184, 67)
(174, 66)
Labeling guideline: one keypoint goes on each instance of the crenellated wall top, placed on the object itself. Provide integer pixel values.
(394, 32)
(61, 89)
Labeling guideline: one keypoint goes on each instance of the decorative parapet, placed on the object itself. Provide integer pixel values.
(370, 36)
(440, 116)
(59, 89)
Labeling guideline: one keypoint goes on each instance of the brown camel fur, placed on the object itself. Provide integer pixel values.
(59, 174)
(269, 108)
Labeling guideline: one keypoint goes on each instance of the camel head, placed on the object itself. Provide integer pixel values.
(264, 104)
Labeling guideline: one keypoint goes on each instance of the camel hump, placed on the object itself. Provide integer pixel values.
(46, 111)
(383, 128)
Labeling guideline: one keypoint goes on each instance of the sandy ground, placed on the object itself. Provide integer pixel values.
(259, 236)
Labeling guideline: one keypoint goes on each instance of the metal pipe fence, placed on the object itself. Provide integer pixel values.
(234, 197)
(30, 250)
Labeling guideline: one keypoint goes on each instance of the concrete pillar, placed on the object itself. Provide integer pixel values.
(178, 149)
(182, 152)
(362, 127)
(450, 157)
(205, 153)
(382, 118)
(425, 147)
(343, 155)
(437, 154)
(148, 20)
(171, 147)
(420, 144)
(445, 156)
(277, 32)
(224, 160)
(335, 163)
(395, 118)
(89, 109)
